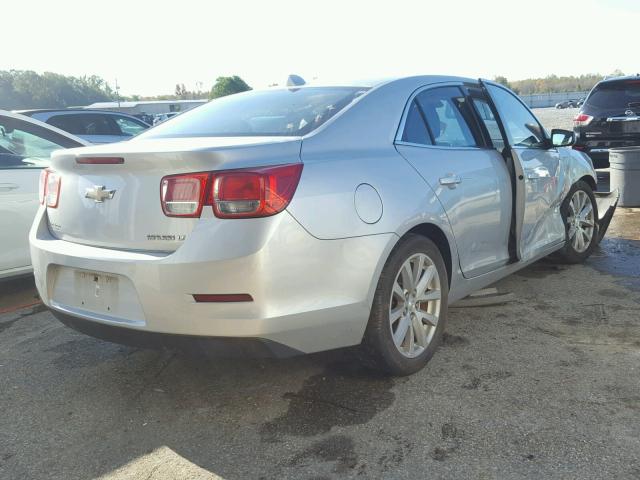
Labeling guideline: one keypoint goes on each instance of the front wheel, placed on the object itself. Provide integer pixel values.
(409, 310)
(579, 213)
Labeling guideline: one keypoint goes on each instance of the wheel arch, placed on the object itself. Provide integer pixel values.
(431, 230)
(588, 179)
(437, 236)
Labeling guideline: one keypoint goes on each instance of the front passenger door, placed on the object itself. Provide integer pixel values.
(537, 166)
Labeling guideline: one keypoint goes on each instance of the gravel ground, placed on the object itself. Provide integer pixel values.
(546, 386)
(556, 118)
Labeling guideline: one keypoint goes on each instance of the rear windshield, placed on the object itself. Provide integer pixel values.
(277, 112)
(616, 95)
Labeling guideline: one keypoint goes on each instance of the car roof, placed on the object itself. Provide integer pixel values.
(621, 79)
(69, 110)
(376, 82)
(34, 121)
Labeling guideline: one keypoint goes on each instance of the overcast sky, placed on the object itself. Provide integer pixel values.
(149, 46)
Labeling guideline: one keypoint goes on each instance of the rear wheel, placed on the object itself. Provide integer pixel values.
(579, 212)
(409, 309)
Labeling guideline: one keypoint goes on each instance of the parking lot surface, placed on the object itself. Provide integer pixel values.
(552, 117)
(545, 386)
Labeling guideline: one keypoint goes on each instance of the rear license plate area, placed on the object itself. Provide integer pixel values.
(96, 291)
(103, 296)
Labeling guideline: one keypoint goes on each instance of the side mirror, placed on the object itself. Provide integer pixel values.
(562, 138)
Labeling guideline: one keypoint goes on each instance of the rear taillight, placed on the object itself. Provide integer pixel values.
(242, 193)
(49, 188)
(42, 185)
(582, 120)
(257, 192)
(183, 195)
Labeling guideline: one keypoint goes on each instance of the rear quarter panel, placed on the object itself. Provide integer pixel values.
(358, 148)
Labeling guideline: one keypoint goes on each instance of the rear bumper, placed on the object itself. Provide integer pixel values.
(308, 294)
(220, 346)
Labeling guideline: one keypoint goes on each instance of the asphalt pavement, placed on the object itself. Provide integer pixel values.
(545, 386)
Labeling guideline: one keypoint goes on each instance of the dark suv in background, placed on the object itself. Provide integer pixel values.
(609, 118)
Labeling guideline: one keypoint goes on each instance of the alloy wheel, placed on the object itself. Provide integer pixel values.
(580, 221)
(414, 306)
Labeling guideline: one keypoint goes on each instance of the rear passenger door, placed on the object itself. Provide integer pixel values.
(441, 138)
(537, 166)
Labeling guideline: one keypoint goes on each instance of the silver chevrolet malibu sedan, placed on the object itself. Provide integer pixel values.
(306, 218)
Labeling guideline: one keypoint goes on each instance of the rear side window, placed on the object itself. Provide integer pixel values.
(415, 130)
(129, 127)
(84, 124)
(448, 118)
(624, 94)
(23, 144)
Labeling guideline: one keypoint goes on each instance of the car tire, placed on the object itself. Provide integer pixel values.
(580, 197)
(384, 344)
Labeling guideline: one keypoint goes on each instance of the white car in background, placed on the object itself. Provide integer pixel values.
(95, 126)
(163, 117)
(25, 147)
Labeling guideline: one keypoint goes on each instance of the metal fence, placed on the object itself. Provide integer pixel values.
(538, 100)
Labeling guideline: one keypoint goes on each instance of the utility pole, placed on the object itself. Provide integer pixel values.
(118, 93)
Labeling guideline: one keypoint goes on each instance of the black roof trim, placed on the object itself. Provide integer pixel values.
(64, 110)
(621, 79)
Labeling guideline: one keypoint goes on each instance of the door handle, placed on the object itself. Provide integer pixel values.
(7, 187)
(450, 181)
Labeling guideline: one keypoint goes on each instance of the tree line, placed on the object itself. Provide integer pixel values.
(25, 89)
(554, 83)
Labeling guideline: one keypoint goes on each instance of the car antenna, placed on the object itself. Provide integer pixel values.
(295, 81)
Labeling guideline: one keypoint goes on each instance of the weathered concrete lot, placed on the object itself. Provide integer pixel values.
(555, 117)
(547, 386)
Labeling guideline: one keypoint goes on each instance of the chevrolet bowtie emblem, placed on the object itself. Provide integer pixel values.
(99, 193)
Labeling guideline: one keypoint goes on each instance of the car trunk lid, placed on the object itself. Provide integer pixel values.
(110, 194)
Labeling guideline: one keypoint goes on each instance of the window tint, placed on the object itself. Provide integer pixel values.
(486, 117)
(522, 128)
(614, 95)
(129, 127)
(415, 130)
(274, 112)
(23, 144)
(84, 124)
(447, 116)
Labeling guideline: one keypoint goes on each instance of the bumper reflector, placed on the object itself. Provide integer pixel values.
(223, 298)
